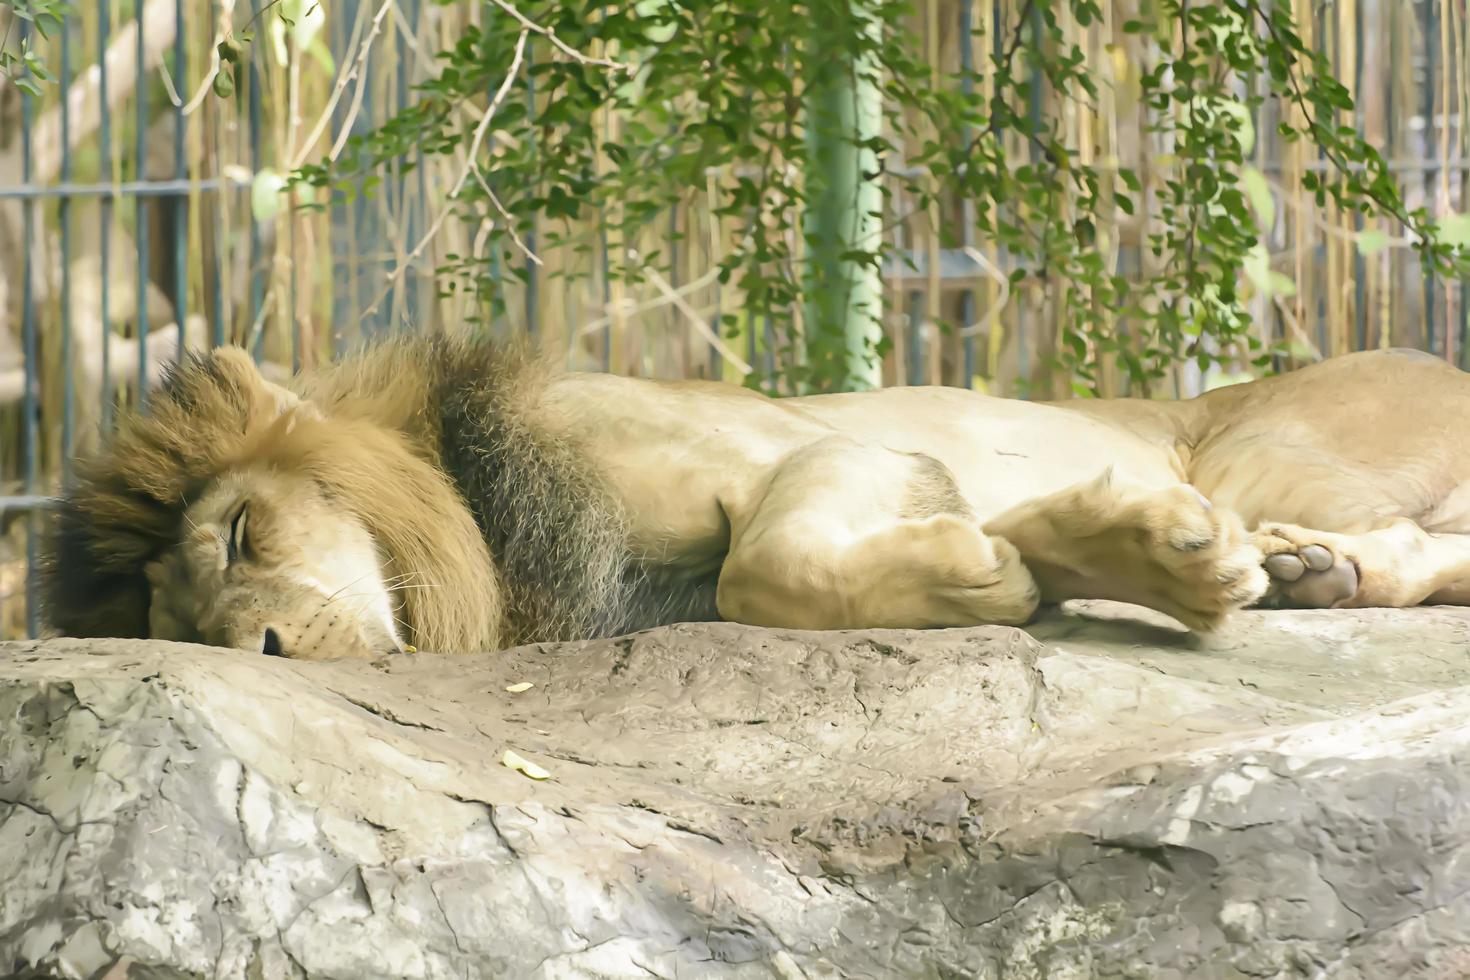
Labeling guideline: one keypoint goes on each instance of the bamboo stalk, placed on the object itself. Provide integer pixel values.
(1447, 70)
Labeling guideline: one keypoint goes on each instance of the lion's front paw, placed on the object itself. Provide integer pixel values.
(1306, 571)
(1210, 566)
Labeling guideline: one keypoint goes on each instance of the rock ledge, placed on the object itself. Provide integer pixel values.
(1099, 796)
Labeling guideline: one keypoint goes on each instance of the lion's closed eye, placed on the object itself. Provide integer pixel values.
(235, 542)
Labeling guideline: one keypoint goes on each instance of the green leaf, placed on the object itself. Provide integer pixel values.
(302, 20)
(1302, 350)
(1371, 241)
(1227, 378)
(1240, 122)
(1258, 192)
(1282, 285)
(1455, 230)
(318, 49)
(1268, 282)
(265, 195)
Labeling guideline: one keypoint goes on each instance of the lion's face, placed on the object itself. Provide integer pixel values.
(315, 522)
(268, 563)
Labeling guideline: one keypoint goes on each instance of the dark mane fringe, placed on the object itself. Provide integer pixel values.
(559, 537)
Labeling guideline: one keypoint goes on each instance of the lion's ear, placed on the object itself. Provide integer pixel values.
(292, 404)
(272, 402)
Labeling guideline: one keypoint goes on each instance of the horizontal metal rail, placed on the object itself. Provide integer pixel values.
(25, 502)
(129, 188)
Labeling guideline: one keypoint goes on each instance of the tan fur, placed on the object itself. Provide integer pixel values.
(417, 519)
(135, 497)
(479, 500)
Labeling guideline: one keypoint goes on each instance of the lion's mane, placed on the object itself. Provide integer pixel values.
(436, 444)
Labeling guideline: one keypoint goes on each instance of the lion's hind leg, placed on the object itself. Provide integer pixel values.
(1394, 566)
(853, 536)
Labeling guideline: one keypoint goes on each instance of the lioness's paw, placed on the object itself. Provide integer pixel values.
(1211, 563)
(1306, 571)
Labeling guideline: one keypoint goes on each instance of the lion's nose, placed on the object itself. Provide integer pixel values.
(270, 643)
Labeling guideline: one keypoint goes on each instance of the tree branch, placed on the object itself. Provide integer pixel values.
(470, 167)
(529, 25)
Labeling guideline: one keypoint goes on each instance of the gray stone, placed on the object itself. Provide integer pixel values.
(1104, 797)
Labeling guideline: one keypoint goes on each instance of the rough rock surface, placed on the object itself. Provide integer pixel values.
(1103, 797)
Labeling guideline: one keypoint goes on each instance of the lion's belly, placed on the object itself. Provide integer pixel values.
(1002, 452)
(681, 457)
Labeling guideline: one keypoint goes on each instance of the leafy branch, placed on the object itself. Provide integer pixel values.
(24, 67)
(716, 88)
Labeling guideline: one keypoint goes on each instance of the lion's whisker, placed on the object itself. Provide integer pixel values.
(350, 595)
(348, 586)
(405, 577)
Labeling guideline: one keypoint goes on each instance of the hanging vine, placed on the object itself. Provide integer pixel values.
(702, 85)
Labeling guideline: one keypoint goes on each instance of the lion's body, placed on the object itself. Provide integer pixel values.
(506, 504)
(1344, 445)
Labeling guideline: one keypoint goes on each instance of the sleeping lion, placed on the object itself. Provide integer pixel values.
(453, 496)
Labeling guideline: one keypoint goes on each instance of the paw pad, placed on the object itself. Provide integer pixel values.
(1287, 567)
(1312, 577)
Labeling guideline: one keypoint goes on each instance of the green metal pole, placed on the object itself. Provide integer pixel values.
(843, 295)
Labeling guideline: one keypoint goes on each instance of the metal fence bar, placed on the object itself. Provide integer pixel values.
(140, 219)
(368, 225)
(25, 502)
(68, 408)
(257, 287)
(916, 345)
(345, 32)
(967, 86)
(673, 240)
(1023, 357)
(1431, 144)
(122, 189)
(606, 330)
(180, 205)
(220, 238)
(422, 297)
(1360, 261)
(30, 403)
(533, 291)
(104, 169)
(769, 358)
(716, 359)
(408, 207)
